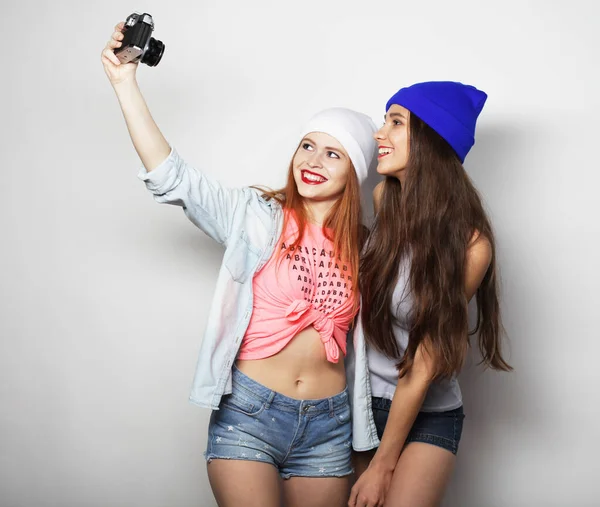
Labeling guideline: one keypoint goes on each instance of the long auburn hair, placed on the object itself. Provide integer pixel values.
(430, 220)
(344, 220)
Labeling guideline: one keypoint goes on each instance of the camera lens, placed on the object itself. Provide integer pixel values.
(153, 53)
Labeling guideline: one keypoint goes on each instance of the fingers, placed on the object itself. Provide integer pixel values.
(115, 40)
(358, 500)
(113, 44)
(108, 54)
(117, 36)
(353, 497)
(108, 57)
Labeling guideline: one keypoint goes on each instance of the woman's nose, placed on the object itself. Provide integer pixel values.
(314, 160)
(379, 135)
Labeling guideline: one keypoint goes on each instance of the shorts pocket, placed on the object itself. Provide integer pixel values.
(242, 405)
(343, 414)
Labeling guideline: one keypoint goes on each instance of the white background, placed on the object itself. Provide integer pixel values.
(104, 293)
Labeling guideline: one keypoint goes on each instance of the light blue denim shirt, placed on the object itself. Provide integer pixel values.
(248, 226)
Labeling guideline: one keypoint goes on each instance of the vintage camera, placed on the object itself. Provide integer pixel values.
(137, 44)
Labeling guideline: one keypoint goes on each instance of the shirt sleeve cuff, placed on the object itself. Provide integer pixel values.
(159, 178)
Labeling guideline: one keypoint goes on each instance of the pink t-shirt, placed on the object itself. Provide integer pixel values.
(300, 287)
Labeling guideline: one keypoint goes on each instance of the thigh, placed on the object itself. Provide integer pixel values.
(421, 476)
(247, 483)
(316, 491)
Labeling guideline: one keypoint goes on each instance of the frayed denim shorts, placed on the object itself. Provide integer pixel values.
(443, 429)
(301, 438)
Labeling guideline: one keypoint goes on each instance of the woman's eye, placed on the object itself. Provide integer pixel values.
(332, 154)
(397, 122)
(306, 146)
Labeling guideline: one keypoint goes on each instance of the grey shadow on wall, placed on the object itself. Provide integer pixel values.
(496, 406)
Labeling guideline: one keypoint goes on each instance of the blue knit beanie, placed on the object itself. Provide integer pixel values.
(449, 108)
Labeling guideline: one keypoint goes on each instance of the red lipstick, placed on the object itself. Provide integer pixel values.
(311, 178)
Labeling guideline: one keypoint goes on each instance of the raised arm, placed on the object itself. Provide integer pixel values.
(147, 139)
(208, 204)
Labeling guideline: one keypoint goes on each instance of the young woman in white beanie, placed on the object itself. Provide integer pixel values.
(271, 363)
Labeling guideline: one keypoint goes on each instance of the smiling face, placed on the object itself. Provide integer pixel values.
(393, 142)
(321, 167)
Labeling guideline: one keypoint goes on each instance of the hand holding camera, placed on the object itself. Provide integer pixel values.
(131, 43)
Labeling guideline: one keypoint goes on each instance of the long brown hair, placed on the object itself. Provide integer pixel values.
(344, 220)
(430, 219)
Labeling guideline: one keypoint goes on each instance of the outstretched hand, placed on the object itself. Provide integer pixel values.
(116, 71)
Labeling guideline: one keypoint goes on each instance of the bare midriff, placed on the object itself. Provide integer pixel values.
(300, 370)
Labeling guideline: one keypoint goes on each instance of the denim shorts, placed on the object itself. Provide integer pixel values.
(437, 428)
(302, 438)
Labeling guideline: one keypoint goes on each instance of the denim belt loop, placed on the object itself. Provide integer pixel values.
(331, 408)
(270, 399)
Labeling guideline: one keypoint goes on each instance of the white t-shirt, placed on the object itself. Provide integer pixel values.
(442, 395)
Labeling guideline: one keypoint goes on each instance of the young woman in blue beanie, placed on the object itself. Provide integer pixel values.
(430, 251)
(271, 363)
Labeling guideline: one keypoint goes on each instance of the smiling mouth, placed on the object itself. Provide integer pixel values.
(384, 151)
(311, 178)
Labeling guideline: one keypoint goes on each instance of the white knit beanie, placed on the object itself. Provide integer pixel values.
(353, 130)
